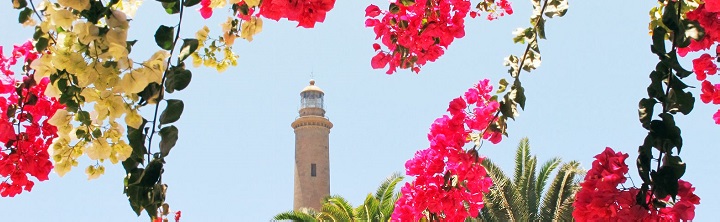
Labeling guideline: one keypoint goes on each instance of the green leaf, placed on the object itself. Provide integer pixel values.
(136, 140)
(658, 37)
(84, 118)
(670, 16)
(169, 136)
(172, 112)
(25, 14)
(129, 45)
(188, 47)
(675, 165)
(407, 3)
(502, 86)
(38, 33)
(664, 182)
(96, 12)
(97, 133)
(680, 101)
(190, 3)
(138, 198)
(672, 62)
(666, 133)
(556, 8)
(655, 89)
(393, 9)
(164, 37)
(532, 60)
(644, 159)
(518, 93)
(645, 111)
(166, 1)
(80, 133)
(512, 62)
(152, 94)
(171, 7)
(541, 28)
(508, 107)
(152, 173)
(41, 44)
(177, 79)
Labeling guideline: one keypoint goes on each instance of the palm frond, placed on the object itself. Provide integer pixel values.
(385, 191)
(566, 209)
(507, 204)
(338, 207)
(560, 189)
(303, 216)
(368, 211)
(522, 154)
(529, 188)
(545, 171)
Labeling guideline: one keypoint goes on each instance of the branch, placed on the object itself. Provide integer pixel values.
(162, 82)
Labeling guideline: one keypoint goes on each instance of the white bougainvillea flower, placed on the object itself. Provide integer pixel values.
(62, 18)
(98, 150)
(79, 5)
(118, 20)
(128, 7)
(249, 28)
(86, 32)
(94, 172)
(133, 119)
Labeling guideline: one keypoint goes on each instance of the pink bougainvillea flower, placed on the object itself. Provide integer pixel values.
(431, 191)
(25, 151)
(712, 5)
(708, 92)
(704, 66)
(599, 198)
(380, 60)
(205, 10)
(372, 11)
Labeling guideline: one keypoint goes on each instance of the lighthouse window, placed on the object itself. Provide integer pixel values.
(312, 170)
(312, 99)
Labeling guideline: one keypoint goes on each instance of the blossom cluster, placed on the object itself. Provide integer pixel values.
(92, 73)
(449, 180)
(599, 198)
(305, 12)
(25, 133)
(706, 15)
(417, 32)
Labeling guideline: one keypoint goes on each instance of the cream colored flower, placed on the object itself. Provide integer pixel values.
(98, 150)
(76, 4)
(86, 32)
(249, 28)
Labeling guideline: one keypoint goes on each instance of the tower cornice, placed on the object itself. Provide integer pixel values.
(312, 121)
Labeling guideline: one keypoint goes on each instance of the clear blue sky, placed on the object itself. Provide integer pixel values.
(234, 159)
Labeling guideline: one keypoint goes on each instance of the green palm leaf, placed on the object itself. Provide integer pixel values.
(524, 198)
(337, 208)
(561, 191)
(385, 195)
(304, 215)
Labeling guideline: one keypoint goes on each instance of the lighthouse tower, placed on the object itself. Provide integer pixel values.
(312, 154)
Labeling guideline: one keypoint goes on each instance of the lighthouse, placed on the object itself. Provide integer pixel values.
(312, 153)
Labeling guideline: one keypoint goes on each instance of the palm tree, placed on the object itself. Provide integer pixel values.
(524, 198)
(376, 208)
(335, 208)
(379, 207)
(304, 214)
